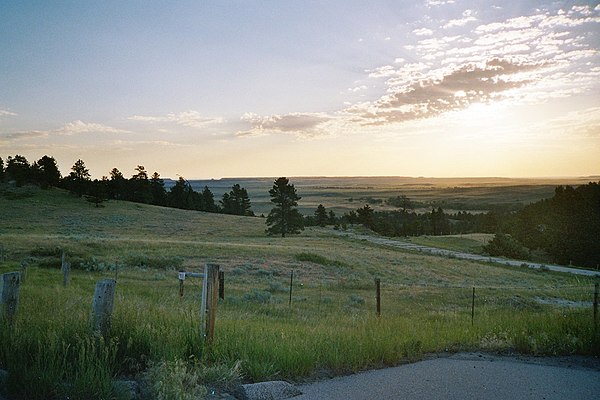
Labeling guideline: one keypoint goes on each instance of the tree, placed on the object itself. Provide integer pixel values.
(284, 217)
(97, 192)
(208, 199)
(117, 185)
(1, 170)
(180, 195)
(321, 215)
(18, 170)
(78, 179)
(366, 216)
(236, 202)
(45, 172)
(157, 188)
(139, 186)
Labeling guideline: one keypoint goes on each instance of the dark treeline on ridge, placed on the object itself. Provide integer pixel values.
(141, 187)
(563, 229)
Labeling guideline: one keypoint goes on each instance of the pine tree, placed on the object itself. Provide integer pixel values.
(321, 215)
(284, 218)
(45, 172)
(18, 169)
(78, 179)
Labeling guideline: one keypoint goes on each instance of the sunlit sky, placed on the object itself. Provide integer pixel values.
(210, 89)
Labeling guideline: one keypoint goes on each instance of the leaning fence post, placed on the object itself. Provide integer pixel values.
(102, 306)
(211, 277)
(9, 296)
(66, 270)
(378, 295)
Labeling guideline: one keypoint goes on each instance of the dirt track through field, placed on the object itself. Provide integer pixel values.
(465, 256)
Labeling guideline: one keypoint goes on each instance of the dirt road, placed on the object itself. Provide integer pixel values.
(465, 256)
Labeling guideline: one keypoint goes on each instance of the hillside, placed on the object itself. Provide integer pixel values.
(263, 331)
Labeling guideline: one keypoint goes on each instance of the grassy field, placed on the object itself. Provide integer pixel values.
(330, 328)
(343, 194)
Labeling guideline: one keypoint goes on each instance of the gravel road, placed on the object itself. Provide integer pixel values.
(465, 256)
(468, 376)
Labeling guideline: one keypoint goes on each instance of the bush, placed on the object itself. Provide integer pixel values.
(258, 296)
(505, 245)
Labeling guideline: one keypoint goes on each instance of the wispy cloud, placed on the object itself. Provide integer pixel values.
(467, 16)
(528, 59)
(71, 128)
(190, 119)
(6, 113)
(300, 124)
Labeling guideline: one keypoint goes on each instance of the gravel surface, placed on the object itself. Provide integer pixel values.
(466, 256)
(468, 376)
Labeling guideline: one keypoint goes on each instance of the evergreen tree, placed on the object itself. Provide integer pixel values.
(97, 192)
(180, 195)
(321, 215)
(117, 185)
(236, 202)
(18, 170)
(78, 179)
(139, 186)
(366, 216)
(284, 218)
(157, 188)
(1, 170)
(208, 200)
(46, 173)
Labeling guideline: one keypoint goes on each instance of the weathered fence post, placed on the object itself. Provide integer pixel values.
(291, 287)
(473, 308)
(102, 306)
(24, 265)
(596, 290)
(222, 285)
(181, 280)
(9, 296)
(378, 295)
(66, 269)
(210, 299)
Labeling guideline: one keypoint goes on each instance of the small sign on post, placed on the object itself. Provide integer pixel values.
(9, 296)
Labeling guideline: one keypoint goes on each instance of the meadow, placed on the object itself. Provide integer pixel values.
(330, 327)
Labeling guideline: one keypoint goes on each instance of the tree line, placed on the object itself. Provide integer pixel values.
(141, 187)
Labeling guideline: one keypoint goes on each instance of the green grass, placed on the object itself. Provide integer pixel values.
(468, 243)
(426, 301)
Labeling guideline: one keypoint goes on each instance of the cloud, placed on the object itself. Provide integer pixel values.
(445, 90)
(6, 113)
(190, 119)
(523, 60)
(467, 16)
(436, 3)
(301, 124)
(71, 128)
(423, 32)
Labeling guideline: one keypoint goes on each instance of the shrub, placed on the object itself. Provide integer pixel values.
(258, 296)
(505, 245)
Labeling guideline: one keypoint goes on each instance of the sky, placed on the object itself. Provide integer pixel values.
(245, 88)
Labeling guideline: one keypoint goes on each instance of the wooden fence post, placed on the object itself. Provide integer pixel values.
(596, 290)
(181, 280)
(211, 280)
(473, 308)
(378, 295)
(102, 306)
(24, 265)
(9, 296)
(222, 285)
(291, 287)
